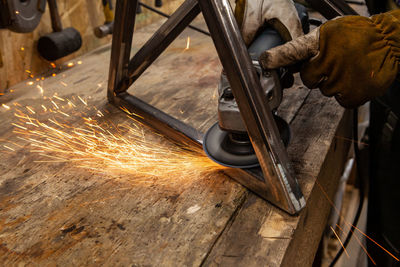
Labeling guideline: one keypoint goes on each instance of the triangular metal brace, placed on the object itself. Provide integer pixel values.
(274, 180)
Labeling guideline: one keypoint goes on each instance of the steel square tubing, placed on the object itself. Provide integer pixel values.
(276, 182)
(282, 187)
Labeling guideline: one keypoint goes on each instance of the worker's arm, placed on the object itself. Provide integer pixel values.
(353, 58)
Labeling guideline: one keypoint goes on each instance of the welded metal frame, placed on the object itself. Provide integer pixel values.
(274, 180)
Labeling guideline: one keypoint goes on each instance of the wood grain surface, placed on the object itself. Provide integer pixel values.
(60, 214)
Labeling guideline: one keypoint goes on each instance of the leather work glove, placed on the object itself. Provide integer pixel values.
(353, 58)
(280, 14)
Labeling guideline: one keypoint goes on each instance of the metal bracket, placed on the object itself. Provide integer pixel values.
(274, 180)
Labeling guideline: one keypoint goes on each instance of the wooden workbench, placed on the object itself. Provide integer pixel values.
(59, 214)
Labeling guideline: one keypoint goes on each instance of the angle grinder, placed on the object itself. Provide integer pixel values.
(227, 141)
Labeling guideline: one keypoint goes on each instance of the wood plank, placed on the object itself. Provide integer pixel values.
(60, 214)
(263, 235)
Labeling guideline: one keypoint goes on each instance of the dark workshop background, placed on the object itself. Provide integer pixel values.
(18, 54)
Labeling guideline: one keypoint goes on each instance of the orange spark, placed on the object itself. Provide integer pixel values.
(187, 43)
(9, 148)
(30, 110)
(359, 242)
(40, 89)
(19, 126)
(70, 64)
(340, 241)
(59, 98)
(100, 145)
(54, 104)
(351, 140)
(83, 101)
(376, 243)
(70, 104)
(130, 113)
(5, 106)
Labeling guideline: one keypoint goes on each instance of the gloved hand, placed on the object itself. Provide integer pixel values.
(353, 58)
(280, 14)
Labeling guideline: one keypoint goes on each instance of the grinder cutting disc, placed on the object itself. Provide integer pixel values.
(235, 150)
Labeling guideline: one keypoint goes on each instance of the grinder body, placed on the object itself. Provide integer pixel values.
(227, 142)
(228, 112)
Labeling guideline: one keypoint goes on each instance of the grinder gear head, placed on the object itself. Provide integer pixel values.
(227, 142)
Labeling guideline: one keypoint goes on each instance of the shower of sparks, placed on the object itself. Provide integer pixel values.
(340, 241)
(100, 145)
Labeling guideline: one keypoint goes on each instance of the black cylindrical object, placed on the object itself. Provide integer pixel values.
(158, 3)
(59, 44)
(103, 30)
